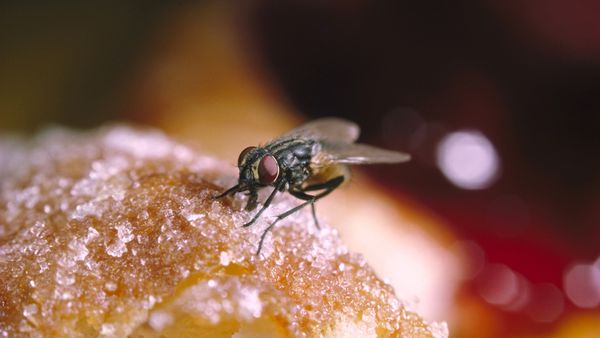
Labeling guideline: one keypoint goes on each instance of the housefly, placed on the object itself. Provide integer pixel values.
(308, 162)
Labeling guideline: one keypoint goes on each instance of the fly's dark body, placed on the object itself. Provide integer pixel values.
(294, 158)
(312, 157)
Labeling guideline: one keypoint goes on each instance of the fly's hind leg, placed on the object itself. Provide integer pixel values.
(339, 173)
(300, 194)
(328, 186)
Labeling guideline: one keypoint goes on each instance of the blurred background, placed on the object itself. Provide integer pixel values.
(497, 101)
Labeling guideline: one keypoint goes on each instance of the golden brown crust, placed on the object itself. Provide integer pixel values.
(115, 233)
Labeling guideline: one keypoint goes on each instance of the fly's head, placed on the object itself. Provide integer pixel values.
(257, 169)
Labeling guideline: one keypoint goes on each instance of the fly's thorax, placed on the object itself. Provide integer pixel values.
(294, 157)
(294, 152)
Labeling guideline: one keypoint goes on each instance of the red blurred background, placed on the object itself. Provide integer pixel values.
(524, 74)
(516, 83)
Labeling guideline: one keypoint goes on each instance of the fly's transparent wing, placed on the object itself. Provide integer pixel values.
(331, 129)
(356, 153)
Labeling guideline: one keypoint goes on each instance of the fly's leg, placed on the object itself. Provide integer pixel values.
(229, 191)
(326, 185)
(251, 205)
(309, 198)
(329, 186)
(236, 188)
(265, 205)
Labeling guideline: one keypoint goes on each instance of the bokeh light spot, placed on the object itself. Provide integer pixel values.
(580, 286)
(468, 159)
(547, 303)
(474, 258)
(499, 285)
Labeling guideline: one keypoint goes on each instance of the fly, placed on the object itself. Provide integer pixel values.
(308, 162)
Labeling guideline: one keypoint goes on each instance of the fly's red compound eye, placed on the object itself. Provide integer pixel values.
(268, 169)
(243, 155)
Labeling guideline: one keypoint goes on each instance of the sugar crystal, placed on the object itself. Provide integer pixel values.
(91, 235)
(79, 249)
(29, 310)
(124, 232)
(107, 330)
(224, 258)
(250, 303)
(116, 249)
(110, 286)
(159, 320)
(64, 278)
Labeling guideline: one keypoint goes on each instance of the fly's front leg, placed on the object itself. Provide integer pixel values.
(229, 191)
(265, 205)
(329, 186)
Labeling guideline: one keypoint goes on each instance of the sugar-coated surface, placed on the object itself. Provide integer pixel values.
(108, 232)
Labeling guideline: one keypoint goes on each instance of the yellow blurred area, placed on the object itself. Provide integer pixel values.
(201, 84)
(584, 326)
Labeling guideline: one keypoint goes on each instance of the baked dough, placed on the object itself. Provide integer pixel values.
(115, 233)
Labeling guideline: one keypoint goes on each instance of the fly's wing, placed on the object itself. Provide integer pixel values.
(343, 153)
(330, 129)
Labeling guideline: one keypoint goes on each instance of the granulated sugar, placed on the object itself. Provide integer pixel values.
(115, 232)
